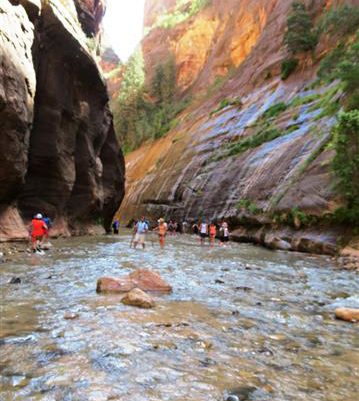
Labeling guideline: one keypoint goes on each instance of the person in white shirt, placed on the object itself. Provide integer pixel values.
(203, 231)
(141, 230)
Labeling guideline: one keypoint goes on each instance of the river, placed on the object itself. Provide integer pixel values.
(241, 320)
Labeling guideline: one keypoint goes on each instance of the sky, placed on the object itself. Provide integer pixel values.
(123, 23)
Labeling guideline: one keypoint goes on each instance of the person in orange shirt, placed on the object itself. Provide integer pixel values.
(38, 230)
(212, 233)
(162, 231)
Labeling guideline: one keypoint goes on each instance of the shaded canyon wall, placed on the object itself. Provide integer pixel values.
(59, 152)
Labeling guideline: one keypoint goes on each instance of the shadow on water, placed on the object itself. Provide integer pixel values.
(242, 320)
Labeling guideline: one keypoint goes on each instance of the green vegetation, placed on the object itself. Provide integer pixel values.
(288, 67)
(225, 103)
(249, 206)
(301, 100)
(253, 141)
(340, 21)
(146, 112)
(346, 163)
(300, 35)
(181, 12)
(275, 110)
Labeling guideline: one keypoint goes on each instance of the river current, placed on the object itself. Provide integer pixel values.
(241, 320)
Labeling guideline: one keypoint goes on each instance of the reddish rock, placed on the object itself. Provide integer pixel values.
(109, 284)
(148, 280)
(347, 314)
(145, 280)
(139, 298)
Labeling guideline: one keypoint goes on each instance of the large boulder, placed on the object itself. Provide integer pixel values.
(145, 280)
(347, 314)
(137, 297)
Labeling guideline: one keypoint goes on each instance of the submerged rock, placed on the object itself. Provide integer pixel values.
(145, 280)
(139, 298)
(347, 314)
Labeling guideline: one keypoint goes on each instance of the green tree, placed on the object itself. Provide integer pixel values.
(300, 35)
(346, 160)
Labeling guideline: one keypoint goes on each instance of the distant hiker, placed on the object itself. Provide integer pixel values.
(184, 227)
(141, 230)
(195, 228)
(212, 233)
(115, 226)
(162, 231)
(38, 230)
(203, 231)
(46, 219)
(172, 227)
(224, 233)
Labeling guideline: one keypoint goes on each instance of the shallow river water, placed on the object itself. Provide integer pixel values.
(241, 320)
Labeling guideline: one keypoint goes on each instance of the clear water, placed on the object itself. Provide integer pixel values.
(240, 317)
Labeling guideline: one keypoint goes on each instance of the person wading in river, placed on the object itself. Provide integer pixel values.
(162, 231)
(212, 233)
(203, 228)
(141, 230)
(38, 229)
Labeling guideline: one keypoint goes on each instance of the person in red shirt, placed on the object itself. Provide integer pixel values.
(38, 230)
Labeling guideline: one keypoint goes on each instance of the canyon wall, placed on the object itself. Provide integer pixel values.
(59, 152)
(228, 60)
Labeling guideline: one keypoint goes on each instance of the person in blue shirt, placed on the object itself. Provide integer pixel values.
(115, 226)
(141, 230)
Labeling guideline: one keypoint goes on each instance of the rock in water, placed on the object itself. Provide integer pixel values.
(137, 297)
(15, 280)
(347, 314)
(148, 280)
(109, 284)
(145, 280)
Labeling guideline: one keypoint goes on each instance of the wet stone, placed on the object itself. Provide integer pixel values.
(15, 280)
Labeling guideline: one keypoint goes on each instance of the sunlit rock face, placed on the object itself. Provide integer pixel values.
(59, 153)
(190, 173)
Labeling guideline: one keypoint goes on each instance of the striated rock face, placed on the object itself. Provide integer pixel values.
(59, 153)
(90, 13)
(196, 171)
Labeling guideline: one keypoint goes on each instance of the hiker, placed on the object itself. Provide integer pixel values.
(162, 231)
(46, 219)
(195, 229)
(224, 233)
(141, 230)
(203, 231)
(38, 230)
(212, 233)
(184, 227)
(115, 226)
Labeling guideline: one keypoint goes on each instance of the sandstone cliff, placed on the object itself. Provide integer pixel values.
(228, 58)
(59, 152)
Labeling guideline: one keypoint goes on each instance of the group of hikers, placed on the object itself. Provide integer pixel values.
(41, 223)
(203, 229)
(39, 231)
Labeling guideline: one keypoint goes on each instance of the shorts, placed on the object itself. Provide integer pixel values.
(35, 238)
(225, 239)
(203, 235)
(140, 238)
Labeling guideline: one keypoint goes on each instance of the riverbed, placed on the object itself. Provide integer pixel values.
(241, 320)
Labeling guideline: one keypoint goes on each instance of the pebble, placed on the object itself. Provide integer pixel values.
(218, 281)
(70, 315)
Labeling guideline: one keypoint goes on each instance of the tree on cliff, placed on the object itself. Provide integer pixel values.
(300, 35)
